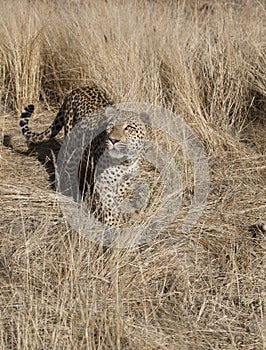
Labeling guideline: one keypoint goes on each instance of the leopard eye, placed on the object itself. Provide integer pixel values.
(129, 127)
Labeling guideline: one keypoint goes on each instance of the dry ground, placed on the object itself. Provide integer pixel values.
(205, 290)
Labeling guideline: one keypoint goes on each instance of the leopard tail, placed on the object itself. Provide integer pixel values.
(46, 135)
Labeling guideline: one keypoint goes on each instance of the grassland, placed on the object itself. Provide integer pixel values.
(204, 290)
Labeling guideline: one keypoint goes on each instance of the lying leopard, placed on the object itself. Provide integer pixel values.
(113, 157)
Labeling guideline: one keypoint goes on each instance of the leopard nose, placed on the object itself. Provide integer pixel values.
(113, 140)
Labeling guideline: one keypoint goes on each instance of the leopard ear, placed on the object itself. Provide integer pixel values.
(110, 112)
(145, 118)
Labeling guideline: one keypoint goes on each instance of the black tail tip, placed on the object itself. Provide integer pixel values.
(29, 108)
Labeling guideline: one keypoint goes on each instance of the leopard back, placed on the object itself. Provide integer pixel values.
(78, 104)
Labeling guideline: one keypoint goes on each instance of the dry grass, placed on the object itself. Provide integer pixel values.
(202, 291)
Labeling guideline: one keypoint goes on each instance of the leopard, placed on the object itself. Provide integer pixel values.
(111, 160)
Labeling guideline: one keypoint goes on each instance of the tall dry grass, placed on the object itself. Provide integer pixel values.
(209, 64)
(203, 291)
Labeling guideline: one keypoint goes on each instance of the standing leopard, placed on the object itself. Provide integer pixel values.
(113, 157)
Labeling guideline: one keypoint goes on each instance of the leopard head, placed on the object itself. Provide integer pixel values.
(126, 132)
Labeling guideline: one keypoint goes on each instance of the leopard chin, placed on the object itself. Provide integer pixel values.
(119, 154)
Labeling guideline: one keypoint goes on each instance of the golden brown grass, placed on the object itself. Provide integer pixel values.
(205, 290)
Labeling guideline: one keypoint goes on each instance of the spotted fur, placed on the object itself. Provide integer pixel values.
(78, 104)
(113, 159)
